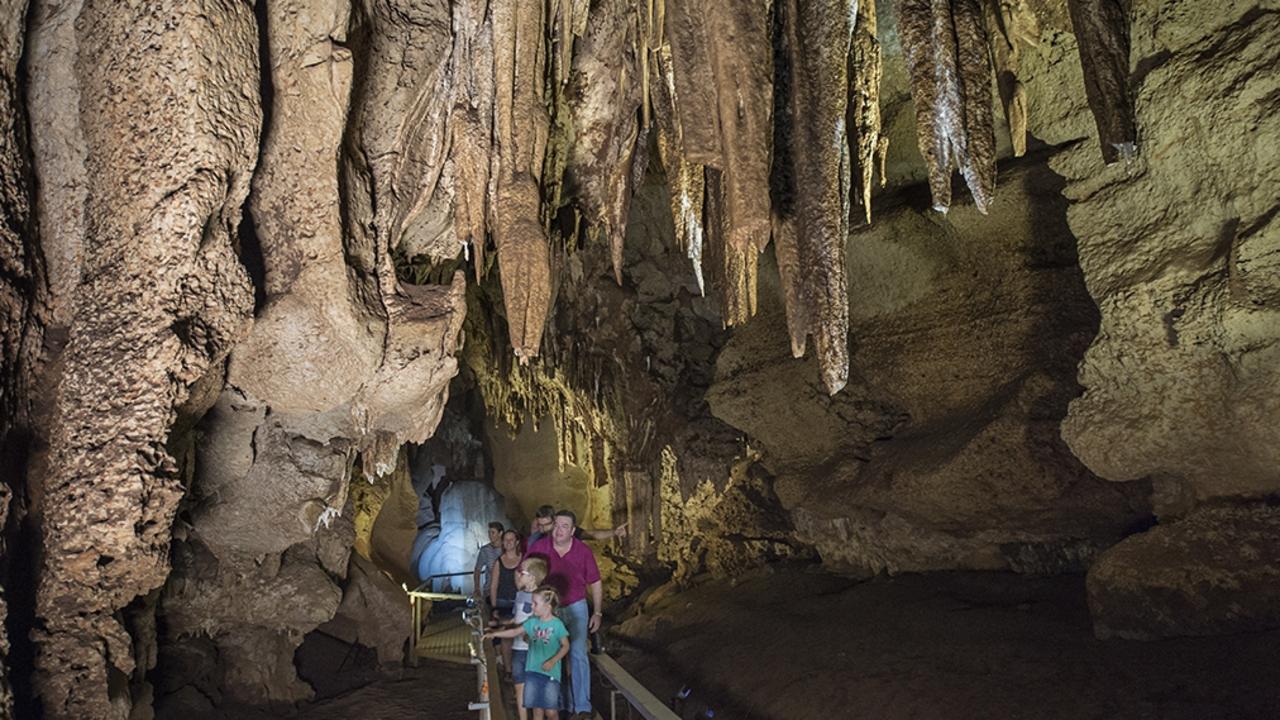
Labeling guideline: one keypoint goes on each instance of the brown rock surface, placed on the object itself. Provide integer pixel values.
(344, 359)
(1179, 249)
(161, 299)
(1214, 572)
(929, 459)
(21, 296)
(374, 612)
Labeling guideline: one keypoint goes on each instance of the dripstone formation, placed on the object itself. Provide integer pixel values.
(249, 249)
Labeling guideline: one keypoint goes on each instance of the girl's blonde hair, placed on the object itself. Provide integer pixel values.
(536, 567)
(549, 596)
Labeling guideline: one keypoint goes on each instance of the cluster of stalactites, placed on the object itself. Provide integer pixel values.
(767, 124)
(945, 46)
(559, 96)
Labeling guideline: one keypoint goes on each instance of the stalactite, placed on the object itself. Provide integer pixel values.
(521, 127)
(732, 269)
(1006, 55)
(605, 95)
(471, 124)
(945, 46)
(1102, 32)
(684, 178)
(866, 66)
(816, 38)
(720, 56)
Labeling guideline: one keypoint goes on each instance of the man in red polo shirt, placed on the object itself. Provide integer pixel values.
(572, 571)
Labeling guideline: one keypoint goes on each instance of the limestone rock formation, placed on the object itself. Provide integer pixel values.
(945, 45)
(373, 612)
(21, 295)
(931, 460)
(1212, 572)
(160, 300)
(344, 359)
(1183, 378)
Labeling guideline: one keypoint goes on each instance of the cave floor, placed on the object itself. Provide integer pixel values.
(788, 644)
(436, 689)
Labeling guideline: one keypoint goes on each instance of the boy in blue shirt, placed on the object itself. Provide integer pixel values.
(548, 640)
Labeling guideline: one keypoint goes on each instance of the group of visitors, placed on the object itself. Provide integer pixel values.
(538, 595)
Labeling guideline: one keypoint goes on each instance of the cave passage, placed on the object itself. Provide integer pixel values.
(752, 360)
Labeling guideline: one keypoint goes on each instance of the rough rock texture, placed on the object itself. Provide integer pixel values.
(868, 146)
(521, 126)
(374, 612)
(1182, 383)
(813, 167)
(605, 95)
(254, 612)
(935, 460)
(1212, 572)
(945, 45)
(1102, 31)
(161, 298)
(21, 294)
(344, 359)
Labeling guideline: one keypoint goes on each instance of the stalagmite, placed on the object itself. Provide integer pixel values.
(521, 127)
(816, 37)
(866, 66)
(1102, 32)
(945, 47)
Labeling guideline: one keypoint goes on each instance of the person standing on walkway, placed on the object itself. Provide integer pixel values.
(572, 571)
(484, 561)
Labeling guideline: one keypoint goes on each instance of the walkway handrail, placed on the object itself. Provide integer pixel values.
(488, 680)
(638, 695)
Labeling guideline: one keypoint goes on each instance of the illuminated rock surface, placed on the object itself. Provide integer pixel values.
(265, 266)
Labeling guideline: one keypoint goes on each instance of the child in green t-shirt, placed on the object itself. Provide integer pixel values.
(548, 640)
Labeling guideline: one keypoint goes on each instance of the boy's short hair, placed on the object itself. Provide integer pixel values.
(549, 596)
(569, 514)
(536, 567)
(495, 525)
(545, 511)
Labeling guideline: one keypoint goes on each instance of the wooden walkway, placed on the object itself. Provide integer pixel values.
(446, 638)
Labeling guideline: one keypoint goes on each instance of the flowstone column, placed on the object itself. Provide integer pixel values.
(169, 111)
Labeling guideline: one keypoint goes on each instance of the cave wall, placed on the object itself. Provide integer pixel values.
(149, 298)
(22, 312)
(246, 288)
(344, 363)
(1181, 252)
(935, 459)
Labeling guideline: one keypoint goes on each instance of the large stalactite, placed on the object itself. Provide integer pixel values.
(945, 45)
(816, 39)
(1102, 31)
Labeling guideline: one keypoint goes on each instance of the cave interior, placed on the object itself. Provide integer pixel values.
(914, 359)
